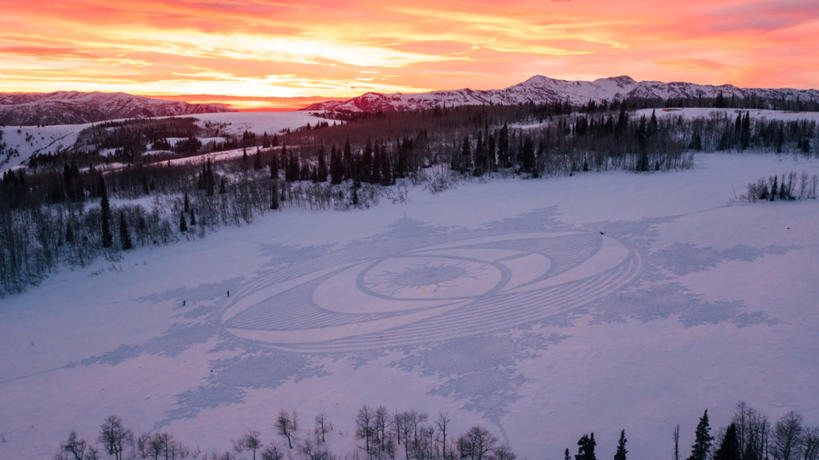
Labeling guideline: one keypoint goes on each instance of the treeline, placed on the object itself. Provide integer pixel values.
(75, 217)
(132, 137)
(783, 188)
(382, 434)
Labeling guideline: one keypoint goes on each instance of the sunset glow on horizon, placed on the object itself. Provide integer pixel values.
(256, 54)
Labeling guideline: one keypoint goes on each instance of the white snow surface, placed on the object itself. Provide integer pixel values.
(500, 302)
(260, 122)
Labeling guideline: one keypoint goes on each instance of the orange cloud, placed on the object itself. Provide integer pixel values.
(268, 50)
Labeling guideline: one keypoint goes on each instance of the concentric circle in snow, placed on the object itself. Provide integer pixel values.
(434, 293)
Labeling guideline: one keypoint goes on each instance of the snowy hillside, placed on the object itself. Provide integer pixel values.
(540, 309)
(25, 141)
(540, 90)
(71, 107)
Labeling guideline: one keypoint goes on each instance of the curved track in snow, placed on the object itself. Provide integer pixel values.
(433, 293)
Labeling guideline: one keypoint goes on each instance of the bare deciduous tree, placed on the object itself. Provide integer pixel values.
(810, 443)
(504, 453)
(476, 443)
(786, 435)
(114, 437)
(272, 453)
(323, 426)
(443, 425)
(286, 426)
(160, 445)
(76, 448)
(364, 427)
(250, 441)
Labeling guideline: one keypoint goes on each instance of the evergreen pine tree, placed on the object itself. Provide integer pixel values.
(257, 159)
(621, 447)
(222, 190)
(105, 208)
(69, 233)
(567, 455)
(503, 147)
(183, 225)
(729, 447)
(719, 102)
(652, 124)
(321, 172)
(336, 167)
(274, 196)
(210, 181)
(702, 441)
(585, 448)
(745, 136)
(347, 160)
(774, 189)
(465, 158)
(527, 155)
(187, 203)
(124, 237)
(193, 218)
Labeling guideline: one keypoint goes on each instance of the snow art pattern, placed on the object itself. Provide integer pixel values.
(432, 293)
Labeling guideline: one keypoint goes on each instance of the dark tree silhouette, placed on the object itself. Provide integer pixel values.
(702, 441)
(729, 447)
(124, 236)
(105, 211)
(585, 448)
(621, 447)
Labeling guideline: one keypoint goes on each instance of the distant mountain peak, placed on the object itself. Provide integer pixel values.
(541, 89)
(73, 107)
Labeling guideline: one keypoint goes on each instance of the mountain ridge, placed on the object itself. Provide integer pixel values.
(540, 89)
(75, 107)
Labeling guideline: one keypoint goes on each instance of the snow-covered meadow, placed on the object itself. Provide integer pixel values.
(541, 309)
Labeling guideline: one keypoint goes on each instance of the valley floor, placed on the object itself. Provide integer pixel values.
(541, 309)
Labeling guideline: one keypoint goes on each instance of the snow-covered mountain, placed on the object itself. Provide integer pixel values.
(71, 107)
(540, 89)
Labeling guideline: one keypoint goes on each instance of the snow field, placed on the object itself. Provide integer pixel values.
(686, 301)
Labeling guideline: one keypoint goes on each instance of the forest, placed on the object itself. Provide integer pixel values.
(383, 434)
(75, 206)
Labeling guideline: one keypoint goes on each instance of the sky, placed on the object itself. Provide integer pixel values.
(260, 54)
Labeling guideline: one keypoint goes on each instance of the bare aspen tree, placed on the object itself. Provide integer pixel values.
(250, 441)
(114, 436)
(787, 433)
(443, 425)
(364, 427)
(810, 443)
(76, 448)
(272, 453)
(504, 453)
(380, 428)
(476, 443)
(323, 426)
(286, 426)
